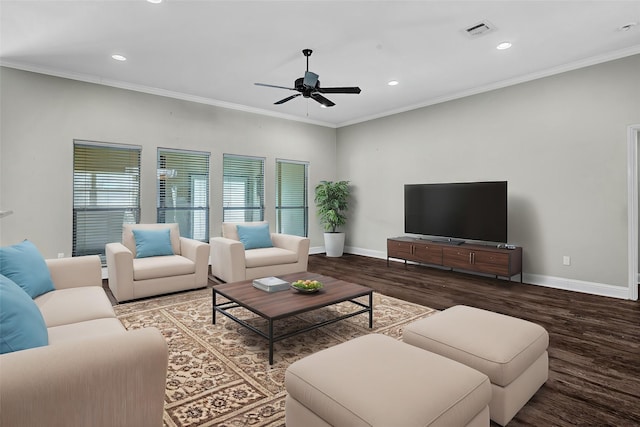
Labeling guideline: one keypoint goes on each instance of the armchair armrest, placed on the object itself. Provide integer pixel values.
(75, 272)
(120, 270)
(198, 252)
(297, 244)
(110, 380)
(227, 259)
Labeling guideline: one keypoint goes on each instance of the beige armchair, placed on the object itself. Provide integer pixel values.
(232, 263)
(131, 277)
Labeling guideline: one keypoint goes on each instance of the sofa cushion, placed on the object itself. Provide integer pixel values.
(166, 266)
(269, 256)
(254, 236)
(152, 243)
(83, 330)
(130, 242)
(65, 306)
(25, 266)
(21, 322)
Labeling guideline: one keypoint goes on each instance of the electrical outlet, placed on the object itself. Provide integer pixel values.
(60, 254)
(566, 260)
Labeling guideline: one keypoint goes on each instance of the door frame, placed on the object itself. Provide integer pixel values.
(633, 150)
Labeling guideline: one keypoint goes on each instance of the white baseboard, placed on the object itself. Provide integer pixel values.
(593, 288)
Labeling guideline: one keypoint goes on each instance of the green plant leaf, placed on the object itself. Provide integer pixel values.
(331, 199)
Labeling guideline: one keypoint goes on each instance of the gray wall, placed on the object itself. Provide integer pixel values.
(42, 115)
(560, 142)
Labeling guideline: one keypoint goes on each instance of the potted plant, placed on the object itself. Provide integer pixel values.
(331, 200)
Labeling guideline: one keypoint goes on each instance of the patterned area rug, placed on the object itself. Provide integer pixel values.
(219, 375)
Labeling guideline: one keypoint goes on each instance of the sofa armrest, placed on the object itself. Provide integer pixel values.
(198, 252)
(227, 259)
(120, 271)
(75, 272)
(111, 380)
(297, 244)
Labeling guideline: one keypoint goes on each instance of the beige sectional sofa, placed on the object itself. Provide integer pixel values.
(232, 263)
(93, 372)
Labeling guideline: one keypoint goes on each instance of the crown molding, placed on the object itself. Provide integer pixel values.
(611, 56)
(159, 92)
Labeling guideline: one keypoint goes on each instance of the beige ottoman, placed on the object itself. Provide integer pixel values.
(375, 380)
(512, 352)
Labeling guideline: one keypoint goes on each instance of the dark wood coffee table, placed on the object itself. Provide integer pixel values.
(274, 306)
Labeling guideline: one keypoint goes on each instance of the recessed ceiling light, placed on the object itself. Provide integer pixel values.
(393, 83)
(155, 1)
(504, 45)
(119, 57)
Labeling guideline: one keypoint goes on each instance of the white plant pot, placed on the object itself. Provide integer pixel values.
(334, 244)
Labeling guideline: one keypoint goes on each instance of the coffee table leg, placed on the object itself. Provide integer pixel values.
(270, 342)
(370, 310)
(213, 305)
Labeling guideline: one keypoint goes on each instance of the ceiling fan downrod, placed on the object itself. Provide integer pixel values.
(307, 53)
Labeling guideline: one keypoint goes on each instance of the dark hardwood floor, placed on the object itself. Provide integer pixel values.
(594, 348)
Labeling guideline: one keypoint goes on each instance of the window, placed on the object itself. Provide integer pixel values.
(243, 189)
(292, 210)
(106, 194)
(183, 191)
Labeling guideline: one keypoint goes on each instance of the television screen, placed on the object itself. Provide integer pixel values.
(470, 210)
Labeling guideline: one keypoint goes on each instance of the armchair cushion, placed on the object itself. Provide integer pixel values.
(130, 242)
(269, 256)
(230, 229)
(25, 266)
(151, 243)
(21, 323)
(254, 236)
(167, 266)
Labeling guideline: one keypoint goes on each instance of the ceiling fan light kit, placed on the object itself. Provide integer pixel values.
(309, 87)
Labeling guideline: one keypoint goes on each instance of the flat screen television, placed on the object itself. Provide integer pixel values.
(455, 211)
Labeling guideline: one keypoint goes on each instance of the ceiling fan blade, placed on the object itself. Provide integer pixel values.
(322, 100)
(277, 87)
(288, 98)
(338, 89)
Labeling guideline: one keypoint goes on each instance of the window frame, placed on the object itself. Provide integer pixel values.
(257, 182)
(101, 193)
(280, 210)
(163, 171)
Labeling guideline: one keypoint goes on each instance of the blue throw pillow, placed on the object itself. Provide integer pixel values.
(21, 322)
(152, 242)
(254, 236)
(25, 266)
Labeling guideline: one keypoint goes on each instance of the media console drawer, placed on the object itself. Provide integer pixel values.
(414, 251)
(474, 258)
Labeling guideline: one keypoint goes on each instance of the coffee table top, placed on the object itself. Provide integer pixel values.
(274, 305)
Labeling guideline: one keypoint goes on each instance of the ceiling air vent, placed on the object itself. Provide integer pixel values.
(479, 29)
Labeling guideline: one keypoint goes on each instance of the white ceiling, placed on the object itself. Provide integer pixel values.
(213, 51)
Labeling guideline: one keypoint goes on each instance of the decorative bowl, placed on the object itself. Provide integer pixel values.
(306, 286)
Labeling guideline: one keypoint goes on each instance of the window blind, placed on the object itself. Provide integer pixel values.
(183, 191)
(292, 210)
(243, 188)
(106, 194)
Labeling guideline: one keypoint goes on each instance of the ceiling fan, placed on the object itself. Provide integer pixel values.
(309, 87)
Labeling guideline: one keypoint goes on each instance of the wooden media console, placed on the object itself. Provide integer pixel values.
(475, 258)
